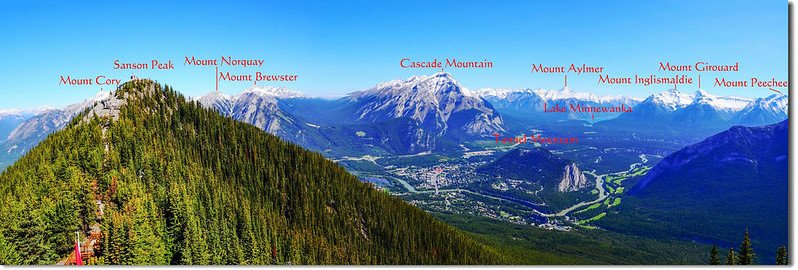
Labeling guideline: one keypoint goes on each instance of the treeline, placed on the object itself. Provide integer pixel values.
(181, 184)
(745, 254)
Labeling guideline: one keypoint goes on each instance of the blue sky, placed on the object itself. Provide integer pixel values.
(338, 47)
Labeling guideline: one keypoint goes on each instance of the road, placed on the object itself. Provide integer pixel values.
(373, 159)
(412, 189)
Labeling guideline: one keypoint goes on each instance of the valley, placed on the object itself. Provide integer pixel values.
(449, 183)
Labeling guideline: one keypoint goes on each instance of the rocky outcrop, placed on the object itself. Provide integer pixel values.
(438, 102)
(573, 179)
(106, 107)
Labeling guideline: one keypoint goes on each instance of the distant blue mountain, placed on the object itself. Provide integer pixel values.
(9, 122)
(698, 114)
(528, 105)
(409, 116)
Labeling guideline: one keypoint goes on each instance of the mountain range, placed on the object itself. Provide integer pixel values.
(420, 112)
(11, 119)
(259, 107)
(32, 126)
(424, 113)
(699, 114)
(528, 104)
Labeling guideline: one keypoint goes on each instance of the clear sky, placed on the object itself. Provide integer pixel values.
(337, 47)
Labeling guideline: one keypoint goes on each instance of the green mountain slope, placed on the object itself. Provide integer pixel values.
(524, 244)
(714, 190)
(180, 184)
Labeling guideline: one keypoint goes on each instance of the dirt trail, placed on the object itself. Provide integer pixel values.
(89, 244)
(92, 241)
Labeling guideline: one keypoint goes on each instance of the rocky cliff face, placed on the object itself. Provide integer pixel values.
(107, 107)
(256, 106)
(438, 102)
(538, 165)
(572, 180)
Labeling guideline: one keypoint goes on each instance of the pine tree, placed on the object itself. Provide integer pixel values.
(781, 256)
(714, 259)
(731, 259)
(182, 184)
(8, 255)
(747, 255)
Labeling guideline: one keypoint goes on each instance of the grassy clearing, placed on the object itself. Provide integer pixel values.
(640, 171)
(591, 207)
(616, 202)
(597, 217)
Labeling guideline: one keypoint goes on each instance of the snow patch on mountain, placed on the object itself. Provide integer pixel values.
(776, 104)
(431, 100)
(671, 99)
(554, 95)
(276, 92)
(674, 100)
(256, 105)
(728, 103)
(227, 104)
(769, 109)
(218, 101)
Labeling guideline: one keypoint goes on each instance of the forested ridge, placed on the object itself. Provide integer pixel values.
(180, 184)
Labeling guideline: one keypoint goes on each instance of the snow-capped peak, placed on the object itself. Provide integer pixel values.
(443, 75)
(729, 103)
(769, 109)
(77, 107)
(672, 99)
(775, 103)
(567, 93)
(500, 93)
(276, 92)
(10, 112)
(213, 97)
(427, 99)
(44, 109)
(420, 85)
(251, 97)
(564, 93)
